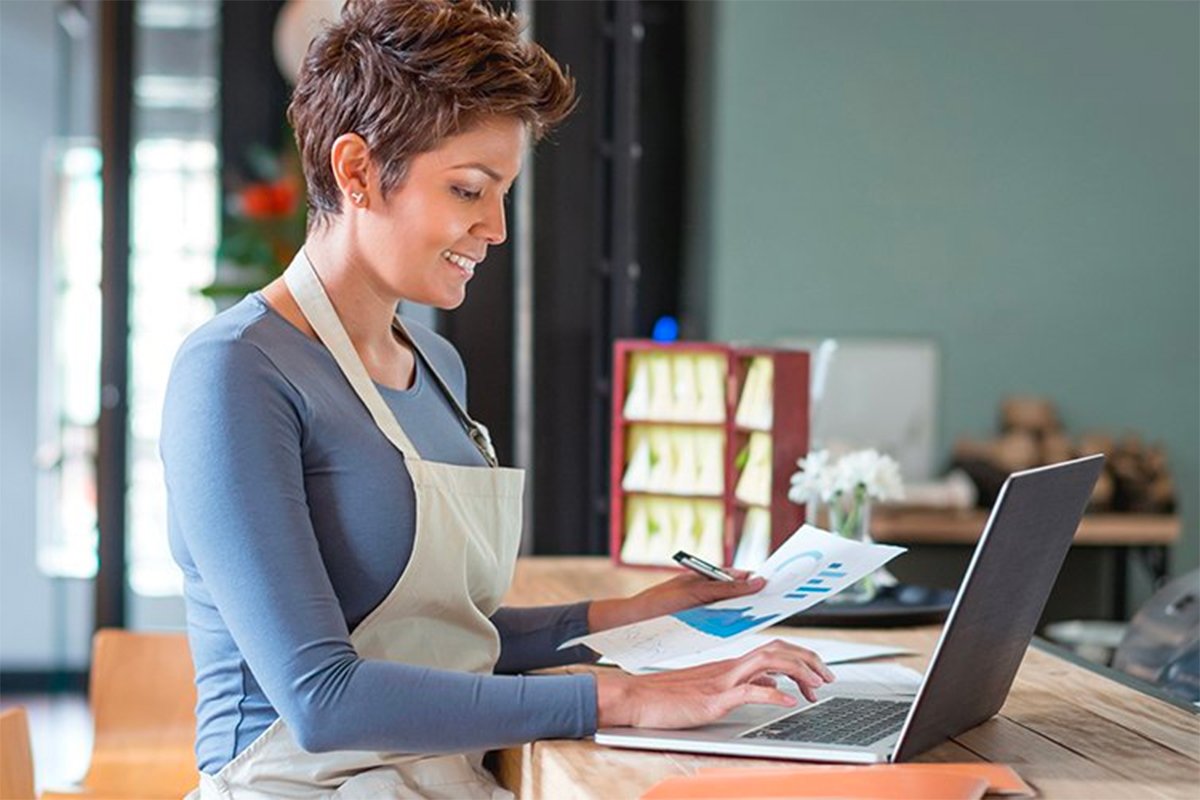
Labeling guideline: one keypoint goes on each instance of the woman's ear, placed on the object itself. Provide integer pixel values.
(350, 160)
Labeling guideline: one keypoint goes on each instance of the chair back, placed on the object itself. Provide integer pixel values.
(1162, 643)
(143, 700)
(16, 757)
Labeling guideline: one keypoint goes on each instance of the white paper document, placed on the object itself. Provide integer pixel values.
(831, 651)
(809, 567)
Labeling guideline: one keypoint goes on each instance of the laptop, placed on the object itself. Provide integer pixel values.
(989, 627)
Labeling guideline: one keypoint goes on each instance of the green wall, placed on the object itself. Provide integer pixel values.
(1016, 180)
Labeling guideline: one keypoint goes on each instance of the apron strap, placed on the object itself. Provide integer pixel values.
(475, 429)
(306, 289)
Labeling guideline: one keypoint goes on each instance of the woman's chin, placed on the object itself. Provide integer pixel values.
(448, 301)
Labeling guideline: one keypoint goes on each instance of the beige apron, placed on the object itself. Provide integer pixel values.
(468, 523)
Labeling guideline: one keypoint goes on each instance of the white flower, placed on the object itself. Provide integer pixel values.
(821, 478)
(813, 480)
(876, 474)
(887, 484)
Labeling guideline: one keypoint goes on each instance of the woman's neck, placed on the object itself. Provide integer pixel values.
(363, 306)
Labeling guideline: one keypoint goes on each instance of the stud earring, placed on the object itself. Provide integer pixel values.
(357, 197)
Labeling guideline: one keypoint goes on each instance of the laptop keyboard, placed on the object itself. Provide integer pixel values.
(839, 720)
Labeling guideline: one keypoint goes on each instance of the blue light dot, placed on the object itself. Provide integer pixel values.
(666, 329)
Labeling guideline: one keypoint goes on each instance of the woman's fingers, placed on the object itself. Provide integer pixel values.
(802, 666)
(745, 693)
(706, 591)
(685, 590)
(772, 683)
(804, 654)
(741, 574)
(699, 695)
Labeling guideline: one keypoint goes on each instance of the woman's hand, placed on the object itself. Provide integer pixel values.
(686, 698)
(686, 590)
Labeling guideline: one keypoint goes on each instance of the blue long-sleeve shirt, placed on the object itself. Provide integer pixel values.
(292, 517)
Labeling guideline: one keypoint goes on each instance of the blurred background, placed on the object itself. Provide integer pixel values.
(977, 201)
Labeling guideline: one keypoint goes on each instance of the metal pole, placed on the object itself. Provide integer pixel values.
(523, 401)
(628, 34)
(618, 271)
(116, 141)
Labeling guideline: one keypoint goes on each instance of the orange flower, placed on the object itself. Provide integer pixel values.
(263, 200)
(285, 195)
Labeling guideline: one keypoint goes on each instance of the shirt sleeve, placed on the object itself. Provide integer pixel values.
(529, 637)
(232, 447)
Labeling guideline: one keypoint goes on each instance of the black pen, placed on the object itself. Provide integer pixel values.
(702, 567)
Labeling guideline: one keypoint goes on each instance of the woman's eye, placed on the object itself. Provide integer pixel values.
(464, 193)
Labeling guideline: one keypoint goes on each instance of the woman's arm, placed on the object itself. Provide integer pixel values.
(232, 445)
(529, 637)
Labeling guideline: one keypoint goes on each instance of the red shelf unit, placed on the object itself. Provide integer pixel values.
(789, 436)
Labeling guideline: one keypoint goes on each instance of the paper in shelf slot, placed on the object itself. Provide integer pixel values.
(676, 387)
(682, 479)
(685, 395)
(641, 460)
(754, 484)
(711, 370)
(754, 545)
(649, 393)
(671, 460)
(640, 545)
(637, 396)
(710, 461)
(656, 528)
(662, 460)
(756, 405)
(662, 390)
(707, 536)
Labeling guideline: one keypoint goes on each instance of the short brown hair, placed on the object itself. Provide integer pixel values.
(406, 74)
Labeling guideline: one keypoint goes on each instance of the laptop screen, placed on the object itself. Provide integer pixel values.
(999, 602)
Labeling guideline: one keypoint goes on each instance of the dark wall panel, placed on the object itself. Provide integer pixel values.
(254, 96)
(569, 218)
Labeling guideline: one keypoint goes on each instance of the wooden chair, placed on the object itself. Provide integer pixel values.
(16, 758)
(143, 700)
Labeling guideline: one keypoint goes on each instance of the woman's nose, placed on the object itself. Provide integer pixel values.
(492, 227)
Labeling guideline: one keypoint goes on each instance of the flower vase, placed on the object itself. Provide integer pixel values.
(850, 518)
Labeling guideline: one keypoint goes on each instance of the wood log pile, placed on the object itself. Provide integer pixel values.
(1136, 477)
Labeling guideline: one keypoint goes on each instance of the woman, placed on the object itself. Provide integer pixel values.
(343, 529)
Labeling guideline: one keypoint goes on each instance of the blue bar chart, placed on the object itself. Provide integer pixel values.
(819, 583)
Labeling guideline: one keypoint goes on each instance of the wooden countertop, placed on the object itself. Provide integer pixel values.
(908, 525)
(1068, 731)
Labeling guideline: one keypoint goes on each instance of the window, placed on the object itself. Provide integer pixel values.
(174, 208)
(69, 341)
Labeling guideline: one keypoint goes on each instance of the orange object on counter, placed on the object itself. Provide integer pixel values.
(879, 782)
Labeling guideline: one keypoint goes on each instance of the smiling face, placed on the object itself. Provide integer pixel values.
(424, 242)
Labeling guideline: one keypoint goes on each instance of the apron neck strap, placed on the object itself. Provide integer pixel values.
(476, 430)
(314, 303)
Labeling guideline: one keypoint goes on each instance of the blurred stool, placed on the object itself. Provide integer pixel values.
(1162, 643)
(16, 757)
(143, 700)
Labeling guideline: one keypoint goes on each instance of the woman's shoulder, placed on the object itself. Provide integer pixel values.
(245, 331)
(246, 348)
(230, 324)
